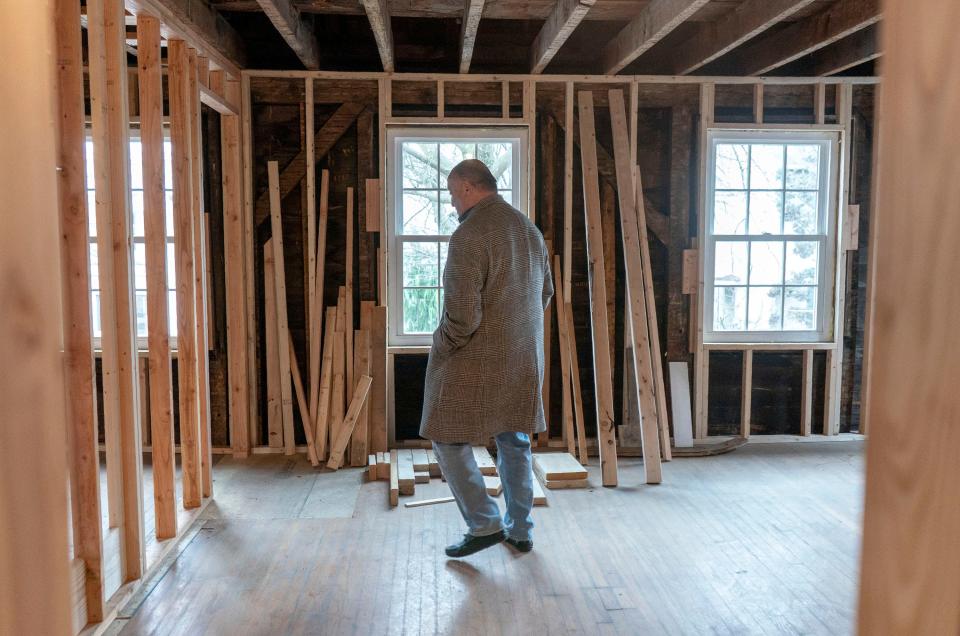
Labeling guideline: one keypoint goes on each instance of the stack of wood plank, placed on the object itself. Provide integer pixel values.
(405, 468)
(559, 470)
(342, 404)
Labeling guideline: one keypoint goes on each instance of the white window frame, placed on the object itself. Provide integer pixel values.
(395, 137)
(142, 341)
(827, 235)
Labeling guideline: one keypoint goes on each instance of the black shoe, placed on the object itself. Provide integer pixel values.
(471, 544)
(520, 545)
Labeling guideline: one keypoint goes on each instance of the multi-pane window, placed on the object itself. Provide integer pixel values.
(139, 245)
(769, 251)
(422, 217)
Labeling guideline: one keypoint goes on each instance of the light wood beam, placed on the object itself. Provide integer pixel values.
(656, 19)
(180, 140)
(563, 20)
(379, 15)
(34, 561)
(132, 551)
(235, 272)
(79, 381)
(155, 232)
(295, 31)
(909, 579)
(603, 374)
(801, 38)
(200, 25)
(468, 32)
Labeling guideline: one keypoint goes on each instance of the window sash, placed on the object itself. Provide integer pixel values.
(516, 136)
(825, 237)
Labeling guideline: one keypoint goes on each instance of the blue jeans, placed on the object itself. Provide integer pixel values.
(480, 510)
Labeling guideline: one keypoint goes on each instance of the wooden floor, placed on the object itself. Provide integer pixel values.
(763, 540)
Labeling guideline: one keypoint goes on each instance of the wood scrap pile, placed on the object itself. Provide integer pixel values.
(559, 470)
(405, 468)
(342, 404)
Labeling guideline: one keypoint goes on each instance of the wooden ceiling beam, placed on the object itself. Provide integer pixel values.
(713, 39)
(657, 19)
(468, 32)
(855, 50)
(379, 15)
(295, 31)
(564, 18)
(834, 23)
(201, 26)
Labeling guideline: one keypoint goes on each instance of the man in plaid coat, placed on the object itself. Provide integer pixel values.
(485, 373)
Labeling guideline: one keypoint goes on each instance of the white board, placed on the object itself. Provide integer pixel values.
(680, 403)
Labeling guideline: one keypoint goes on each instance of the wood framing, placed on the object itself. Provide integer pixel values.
(235, 272)
(78, 369)
(201, 26)
(35, 597)
(374, 205)
(472, 12)
(637, 299)
(567, 188)
(180, 139)
(565, 17)
(806, 393)
(295, 31)
(856, 49)
(378, 370)
(603, 375)
(280, 289)
(200, 286)
(908, 580)
(155, 233)
(710, 40)
(656, 20)
(746, 393)
(701, 370)
(317, 305)
(274, 415)
(378, 12)
(564, 337)
(348, 304)
(801, 38)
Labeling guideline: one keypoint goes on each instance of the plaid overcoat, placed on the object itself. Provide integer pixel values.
(485, 372)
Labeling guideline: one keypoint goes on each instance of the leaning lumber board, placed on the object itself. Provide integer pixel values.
(349, 422)
(493, 485)
(636, 297)
(539, 497)
(394, 479)
(348, 306)
(563, 337)
(556, 466)
(484, 462)
(602, 369)
(428, 502)
(302, 404)
(280, 289)
(361, 366)
(378, 370)
(274, 424)
(322, 413)
(575, 387)
(564, 484)
(317, 306)
(406, 478)
(710, 446)
(421, 463)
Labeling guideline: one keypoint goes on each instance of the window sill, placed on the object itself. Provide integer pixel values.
(767, 346)
(409, 349)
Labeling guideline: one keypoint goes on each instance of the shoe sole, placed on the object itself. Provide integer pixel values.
(459, 555)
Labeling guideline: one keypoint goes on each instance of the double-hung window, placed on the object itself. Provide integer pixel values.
(421, 217)
(770, 240)
(139, 242)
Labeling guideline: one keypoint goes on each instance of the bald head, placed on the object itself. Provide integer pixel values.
(470, 182)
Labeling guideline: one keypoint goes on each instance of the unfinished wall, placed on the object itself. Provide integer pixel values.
(667, 137)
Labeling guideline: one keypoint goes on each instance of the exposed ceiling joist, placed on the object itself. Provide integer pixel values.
(713, 39)
(859, 48)
(297, 33)
(657, 19)
(564, 18)
(379, 15)
(802, 38)
(200, 26)
(468, 32)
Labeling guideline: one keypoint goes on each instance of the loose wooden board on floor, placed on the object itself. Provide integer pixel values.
(557, 466)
